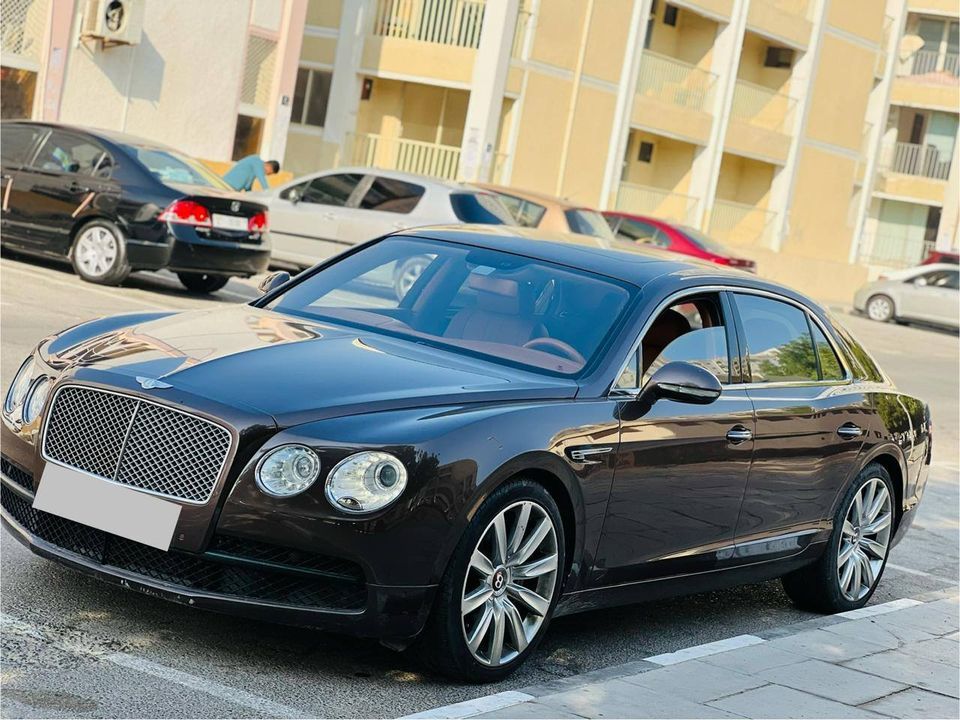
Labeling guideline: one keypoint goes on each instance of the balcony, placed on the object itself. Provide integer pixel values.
(927, 79)
(435, 39)
(931, 63)
(786, 21)
(414, 156)
(892, 248)
(761, 120)
(742, 225)
(922, 160)
(673, 97)
(657, 202)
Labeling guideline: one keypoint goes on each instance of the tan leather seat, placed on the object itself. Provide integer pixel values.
(668, 326)
(500, 315)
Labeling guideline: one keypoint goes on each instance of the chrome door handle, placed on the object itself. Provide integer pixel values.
(739, 434)
(849, 430)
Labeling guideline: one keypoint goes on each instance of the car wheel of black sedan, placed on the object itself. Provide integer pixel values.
(202, 282)
(99, 253)
(499, 591)
(847, 574)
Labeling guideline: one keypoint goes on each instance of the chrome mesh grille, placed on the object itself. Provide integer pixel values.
(136, 443)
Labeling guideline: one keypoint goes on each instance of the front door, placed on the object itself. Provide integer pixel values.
(932, 296)
(681, 469)
(811, 423)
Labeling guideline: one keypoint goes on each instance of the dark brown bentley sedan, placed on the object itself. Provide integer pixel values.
(536, 427)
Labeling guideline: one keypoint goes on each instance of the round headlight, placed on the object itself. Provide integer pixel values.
(366, 481)
(288, 470)
(19, 387)
(36, 398)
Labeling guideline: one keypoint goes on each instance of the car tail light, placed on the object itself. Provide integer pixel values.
(258, 223)
(187, 212)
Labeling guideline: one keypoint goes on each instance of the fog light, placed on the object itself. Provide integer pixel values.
(365, 482)
(288, 470)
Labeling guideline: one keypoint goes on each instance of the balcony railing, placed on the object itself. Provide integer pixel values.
(762, 107)
(931, 62)
(742, 224)
(675, 82)
(892, 248)
(911, 159)
(658, 202)
(443, 22)
(416, 156)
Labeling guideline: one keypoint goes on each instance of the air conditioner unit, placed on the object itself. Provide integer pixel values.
(113, 22)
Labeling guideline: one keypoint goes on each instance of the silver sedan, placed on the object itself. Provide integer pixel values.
(928, 293)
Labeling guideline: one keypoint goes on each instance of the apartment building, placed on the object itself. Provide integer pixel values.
(816, 136)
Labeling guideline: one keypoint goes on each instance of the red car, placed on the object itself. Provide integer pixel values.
(937, 256)
(676, 238)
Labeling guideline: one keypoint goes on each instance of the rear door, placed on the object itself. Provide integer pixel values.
(305, 218)
(18, 148)
(811, 422)
(384, 205)
(60, 185)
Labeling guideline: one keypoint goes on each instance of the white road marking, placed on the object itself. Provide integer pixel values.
(881, 609)
(260, 705)
(470, 708)
(922, 573)
(699, 651)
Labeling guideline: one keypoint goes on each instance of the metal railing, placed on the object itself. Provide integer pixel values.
(389, 153)
(674, 82)
(762, 107)
(926, 62)
(442, 22)
(742, 224)
(658, 202)
(892, 249)
(912, 159)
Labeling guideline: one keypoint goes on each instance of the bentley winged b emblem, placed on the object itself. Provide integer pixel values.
(152, 383)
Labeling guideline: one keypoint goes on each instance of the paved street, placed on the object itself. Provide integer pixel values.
(73, 647)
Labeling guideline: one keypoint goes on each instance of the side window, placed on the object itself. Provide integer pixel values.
(526, 213)
(18, 142)
(389, 195)
(778, 340)
(864, 366)
(953, 280)
(642, 233)
(331, 189)
(830, 368)
(67, 153)
(939, 279)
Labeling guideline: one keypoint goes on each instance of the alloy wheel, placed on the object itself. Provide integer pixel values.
(880, 309)
(96, 251)
(864, 539)
(510, 583)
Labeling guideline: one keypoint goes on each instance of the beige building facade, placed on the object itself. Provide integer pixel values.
(817, 136)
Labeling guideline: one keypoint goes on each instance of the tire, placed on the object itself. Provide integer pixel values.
(99, 253)
(821, 587)
(202, 282)
(444, 643)
(881, 308)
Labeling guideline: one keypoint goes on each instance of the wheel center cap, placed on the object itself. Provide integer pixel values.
(498, 581)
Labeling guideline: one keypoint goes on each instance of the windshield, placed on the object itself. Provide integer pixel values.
(171, 167)
(506, 308)
(705, 243)
(589, 222)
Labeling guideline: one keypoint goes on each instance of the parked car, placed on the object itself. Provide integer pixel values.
(675, 238)
(550, 214)
(112, 204)
(524, 434)
(928, 293)
(939, 256)
(317, 216)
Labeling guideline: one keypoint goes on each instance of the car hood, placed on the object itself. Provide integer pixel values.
(298, 370)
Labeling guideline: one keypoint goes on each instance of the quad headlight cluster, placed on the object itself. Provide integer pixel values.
(27, 393)
(360, 483)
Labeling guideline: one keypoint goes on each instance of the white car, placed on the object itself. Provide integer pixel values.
(320, 215)
(928, 293)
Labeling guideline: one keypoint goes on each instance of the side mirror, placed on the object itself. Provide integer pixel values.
(294, 195)
(682, 382)
(272, 281)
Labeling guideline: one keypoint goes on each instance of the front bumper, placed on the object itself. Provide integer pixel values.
(235, 577)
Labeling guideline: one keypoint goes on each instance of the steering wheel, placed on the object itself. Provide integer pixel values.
(556, 347)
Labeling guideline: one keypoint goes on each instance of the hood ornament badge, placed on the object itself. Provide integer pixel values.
(152, 383)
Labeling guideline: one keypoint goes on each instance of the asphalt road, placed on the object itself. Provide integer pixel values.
(74, 647)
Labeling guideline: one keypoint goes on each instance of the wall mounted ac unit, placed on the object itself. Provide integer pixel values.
(113, 22)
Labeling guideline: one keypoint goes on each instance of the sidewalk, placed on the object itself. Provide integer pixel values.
(899, 659)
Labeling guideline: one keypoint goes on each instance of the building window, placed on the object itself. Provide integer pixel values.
(778, 57)
(17, 90)
(310, 97)
(246, 140)
(670, 15)
(646, 152)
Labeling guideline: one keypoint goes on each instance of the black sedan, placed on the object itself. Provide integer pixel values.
(534, 428)
(113, 204)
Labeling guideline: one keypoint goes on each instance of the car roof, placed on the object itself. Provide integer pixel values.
(532, 196)
(932, 267)
(634, 264)
(431, 182)
(111, 136)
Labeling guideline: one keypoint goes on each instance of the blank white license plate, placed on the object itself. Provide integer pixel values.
(229, 222)
(107, 506)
